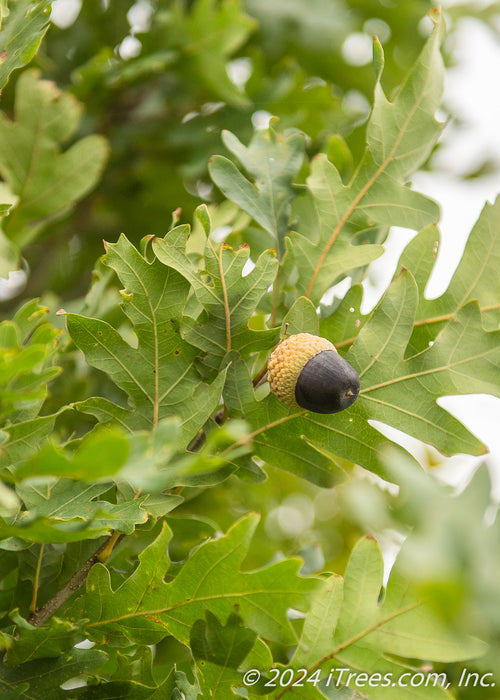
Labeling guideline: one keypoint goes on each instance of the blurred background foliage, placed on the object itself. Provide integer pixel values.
(161, 79)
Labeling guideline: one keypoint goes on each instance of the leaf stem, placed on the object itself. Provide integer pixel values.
(362, 192)
(424, 322)
(446, 317)
(260, 375)
(38, 617)
(36, 580)
(262, 429)
(110, 543)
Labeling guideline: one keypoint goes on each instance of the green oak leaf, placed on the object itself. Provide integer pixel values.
(400, 136)
(42, 678)
(148, 461)
(51, 640)
(322, 251)
(320, 448)
(68, 511)
(21, 32)
(272, 161)
(145, 609)
(100, 454)
(46, 530)
(28, 344)
(46, 181)
(354, 625)
(221, 644)
(218, 651)
(302, 318)
(227, 297)
(176, 687)
(476, 276)
(159, 375)
(403, 392)
(460, 586)
(396, 390)
(25, 438)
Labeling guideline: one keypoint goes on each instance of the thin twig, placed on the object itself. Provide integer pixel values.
(78, 579)
(260, 376)
(36, 580)
(197, 442)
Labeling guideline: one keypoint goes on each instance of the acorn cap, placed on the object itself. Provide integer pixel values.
(306, 371)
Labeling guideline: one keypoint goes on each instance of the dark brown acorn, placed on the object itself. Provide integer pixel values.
(306, 371)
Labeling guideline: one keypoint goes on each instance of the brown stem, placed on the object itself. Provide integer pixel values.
(260, 376)
(197, 442)
(78, 579)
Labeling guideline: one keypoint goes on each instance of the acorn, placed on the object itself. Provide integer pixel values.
(306, 371)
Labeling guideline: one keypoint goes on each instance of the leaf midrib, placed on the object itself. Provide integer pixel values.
(351, 208)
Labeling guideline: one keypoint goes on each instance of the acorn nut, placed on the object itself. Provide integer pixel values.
(307, 371)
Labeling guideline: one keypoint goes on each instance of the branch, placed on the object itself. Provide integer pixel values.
(75, 582)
